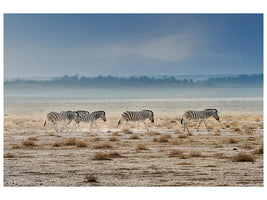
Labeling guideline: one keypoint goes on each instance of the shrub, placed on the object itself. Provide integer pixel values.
(259, 150)
(104, 145)
(81, 143)
(134, 137)
(232, 140)
(90, 178)
(176, 153)
(195, 154)
(113, 138)
(106, 156)
(28, 143)
(243, 157)
(140, 147)
(70, 142)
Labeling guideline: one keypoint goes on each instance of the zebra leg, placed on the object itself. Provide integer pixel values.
(199, 125)
(206, 125)
(186, 124)
(55, 127)
(96, 125)
(146, 126)
(137, 126)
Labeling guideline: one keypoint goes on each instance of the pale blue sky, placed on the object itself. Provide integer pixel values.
(132, 44)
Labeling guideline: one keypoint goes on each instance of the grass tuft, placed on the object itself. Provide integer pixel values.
(140, 147)
(104, 145)
(243, 157)
(176, 153)
(91, 178)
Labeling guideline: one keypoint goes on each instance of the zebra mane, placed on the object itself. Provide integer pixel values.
(97, 112)
(209, 109)
(149, 111)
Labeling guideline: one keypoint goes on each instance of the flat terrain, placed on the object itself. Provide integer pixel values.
(231, 154)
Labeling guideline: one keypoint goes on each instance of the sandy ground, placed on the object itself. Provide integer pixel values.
(164, 156)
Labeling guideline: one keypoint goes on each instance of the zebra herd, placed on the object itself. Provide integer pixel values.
(84, 116)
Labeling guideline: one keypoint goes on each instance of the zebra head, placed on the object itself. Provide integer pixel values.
(214, 113)
(150, 115)
(99, 114)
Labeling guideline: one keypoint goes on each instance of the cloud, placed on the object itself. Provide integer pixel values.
(170, 48)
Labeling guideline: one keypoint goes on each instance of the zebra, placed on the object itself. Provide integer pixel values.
(199, 115)
(63, 116)
(85, 116)
(136, 116)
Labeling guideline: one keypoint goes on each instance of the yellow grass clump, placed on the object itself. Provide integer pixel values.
(104, 145)
(113, 139)
(176, 153)
(140, 147)
(162, 138)
(28, 143)
(259, 150)
(127, 131)
(9, 155)
(195, 153)
(134, 137)
(90, 178)
(106, 156)
(232, 140)
(243, 157)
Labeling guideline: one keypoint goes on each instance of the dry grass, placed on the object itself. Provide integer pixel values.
(80, 143)
(217, 132)
(195, 154)
(113, 139)
(243, 157)
(246, 146)
(162, 138)
(183, 136)
(259, 150)
(134, 137)
(9, 155)
(232, 140)
(91, 178)
(152, 133)
(140, 147)
(104, 145)
(70, 142)
(106, 156)
(28, 143)
(127, 131)
(176, 153)
(32, 138)
(184, 163)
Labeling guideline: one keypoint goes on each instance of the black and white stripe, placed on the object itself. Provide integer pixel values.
(137, 116)
(199, 115)
(63, 117)
(85, 116)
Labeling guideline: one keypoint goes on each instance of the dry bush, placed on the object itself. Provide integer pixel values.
(32, 138)
(70, 142)
(162, 138)
(249, 127)
(259, 150)
(113, 139)
(236, 129)
(28, 143)
(176, 153)
(90, 178)
(183, 136)
(104, 145)
(152, 133)
(106, 156)
(134, 137)
(195, 154)
(57, 144)
(174, 142)
(184, 163)
(80, 143)
(140, 147)
(243, 157)
(9, 155)
(232, 140)
(260, 125)
(173, 121)
(127, 131)
(97, 139)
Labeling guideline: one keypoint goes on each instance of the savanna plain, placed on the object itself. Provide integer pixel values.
(230, 154)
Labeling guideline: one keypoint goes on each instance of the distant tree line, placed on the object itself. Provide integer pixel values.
(134, 81)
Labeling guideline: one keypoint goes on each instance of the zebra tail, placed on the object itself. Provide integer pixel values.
(45, 120)
(119, 122)
(182, 119)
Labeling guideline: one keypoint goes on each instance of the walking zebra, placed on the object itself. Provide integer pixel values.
(85, 116)
(199, 115)
(63, 116)
(136, 116)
